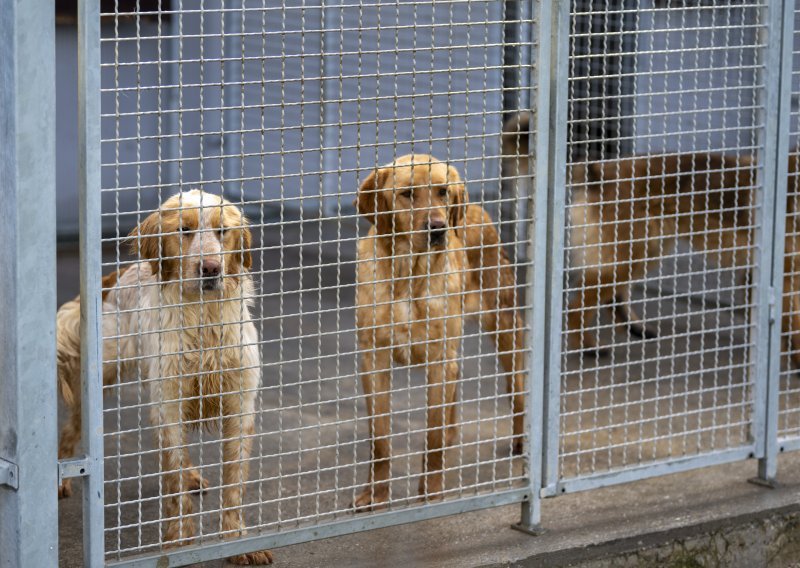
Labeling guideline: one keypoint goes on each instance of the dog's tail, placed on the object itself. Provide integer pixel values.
(516, 135)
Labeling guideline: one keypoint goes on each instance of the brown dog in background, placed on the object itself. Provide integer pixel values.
(625, 214)
(428, 260)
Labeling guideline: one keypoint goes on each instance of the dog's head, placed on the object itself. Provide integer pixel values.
(417, 198)
(197, 240)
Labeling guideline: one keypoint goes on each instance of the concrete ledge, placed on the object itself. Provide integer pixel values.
(709, 517)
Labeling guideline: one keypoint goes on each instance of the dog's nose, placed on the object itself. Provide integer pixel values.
(437, 228)
(211, 268)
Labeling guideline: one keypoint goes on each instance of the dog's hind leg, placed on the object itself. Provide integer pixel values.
(507, 331)
(70, 437)
(582, 313)
(376, 381)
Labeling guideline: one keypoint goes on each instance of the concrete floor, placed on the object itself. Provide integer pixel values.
(681, 394)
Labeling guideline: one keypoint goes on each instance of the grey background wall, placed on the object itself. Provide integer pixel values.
(400, 89)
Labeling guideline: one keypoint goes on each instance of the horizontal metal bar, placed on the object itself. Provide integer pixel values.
(655, 469)
(9, 474)
(211, 551)
(788, 444)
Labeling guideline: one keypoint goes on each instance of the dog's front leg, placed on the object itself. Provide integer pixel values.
(432, 481)
(376, 381)
(178, 508)
(238, 428)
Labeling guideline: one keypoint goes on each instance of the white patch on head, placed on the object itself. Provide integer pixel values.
(206, 243)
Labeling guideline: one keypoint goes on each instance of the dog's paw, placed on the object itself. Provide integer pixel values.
(258, 558)
(179, 533)
(371, 499)
(195, 483)
(65, 489)
(431, 487)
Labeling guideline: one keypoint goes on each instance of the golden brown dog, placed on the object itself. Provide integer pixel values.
(179, 321)
(428, 260)
(625, 214)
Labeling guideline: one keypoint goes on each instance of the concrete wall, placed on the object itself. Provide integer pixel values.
(403, 91)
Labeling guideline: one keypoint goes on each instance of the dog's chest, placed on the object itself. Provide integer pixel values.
(202, 362)
(415, 321)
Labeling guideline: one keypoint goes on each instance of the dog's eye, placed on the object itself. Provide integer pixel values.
(222, 231)
(406, 194)
(443, 192)
(186, 229)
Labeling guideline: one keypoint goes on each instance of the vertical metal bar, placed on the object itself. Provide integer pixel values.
(329, 93)
(28, 513)
(775, 157)
(90, 276)
(552, 257)
(232, 54)
(537, 251)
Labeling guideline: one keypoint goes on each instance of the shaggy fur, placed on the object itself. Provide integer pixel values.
(428, 260)
(179, 322)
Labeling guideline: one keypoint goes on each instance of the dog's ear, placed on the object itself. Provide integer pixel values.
(370, 201)
(244, 242)
(146, 238)
(457, 211)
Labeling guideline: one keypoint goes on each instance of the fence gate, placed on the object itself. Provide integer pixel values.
(284, 110)
(663, 306)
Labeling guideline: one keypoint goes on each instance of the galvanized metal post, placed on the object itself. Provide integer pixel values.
(540, 48)
(777, 95)
(551, 256)
(233, 100)
(28, 497)
(90, 276)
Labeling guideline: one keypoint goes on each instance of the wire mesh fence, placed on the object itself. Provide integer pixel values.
(662, 218)
(789, 418)
(319, 226)
(252, 293)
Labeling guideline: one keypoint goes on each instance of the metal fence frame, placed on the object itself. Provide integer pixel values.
(90, 467)
(27, 427)
(28, 533)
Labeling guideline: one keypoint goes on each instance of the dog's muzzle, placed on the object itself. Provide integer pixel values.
(211, 274)
(437, 232)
